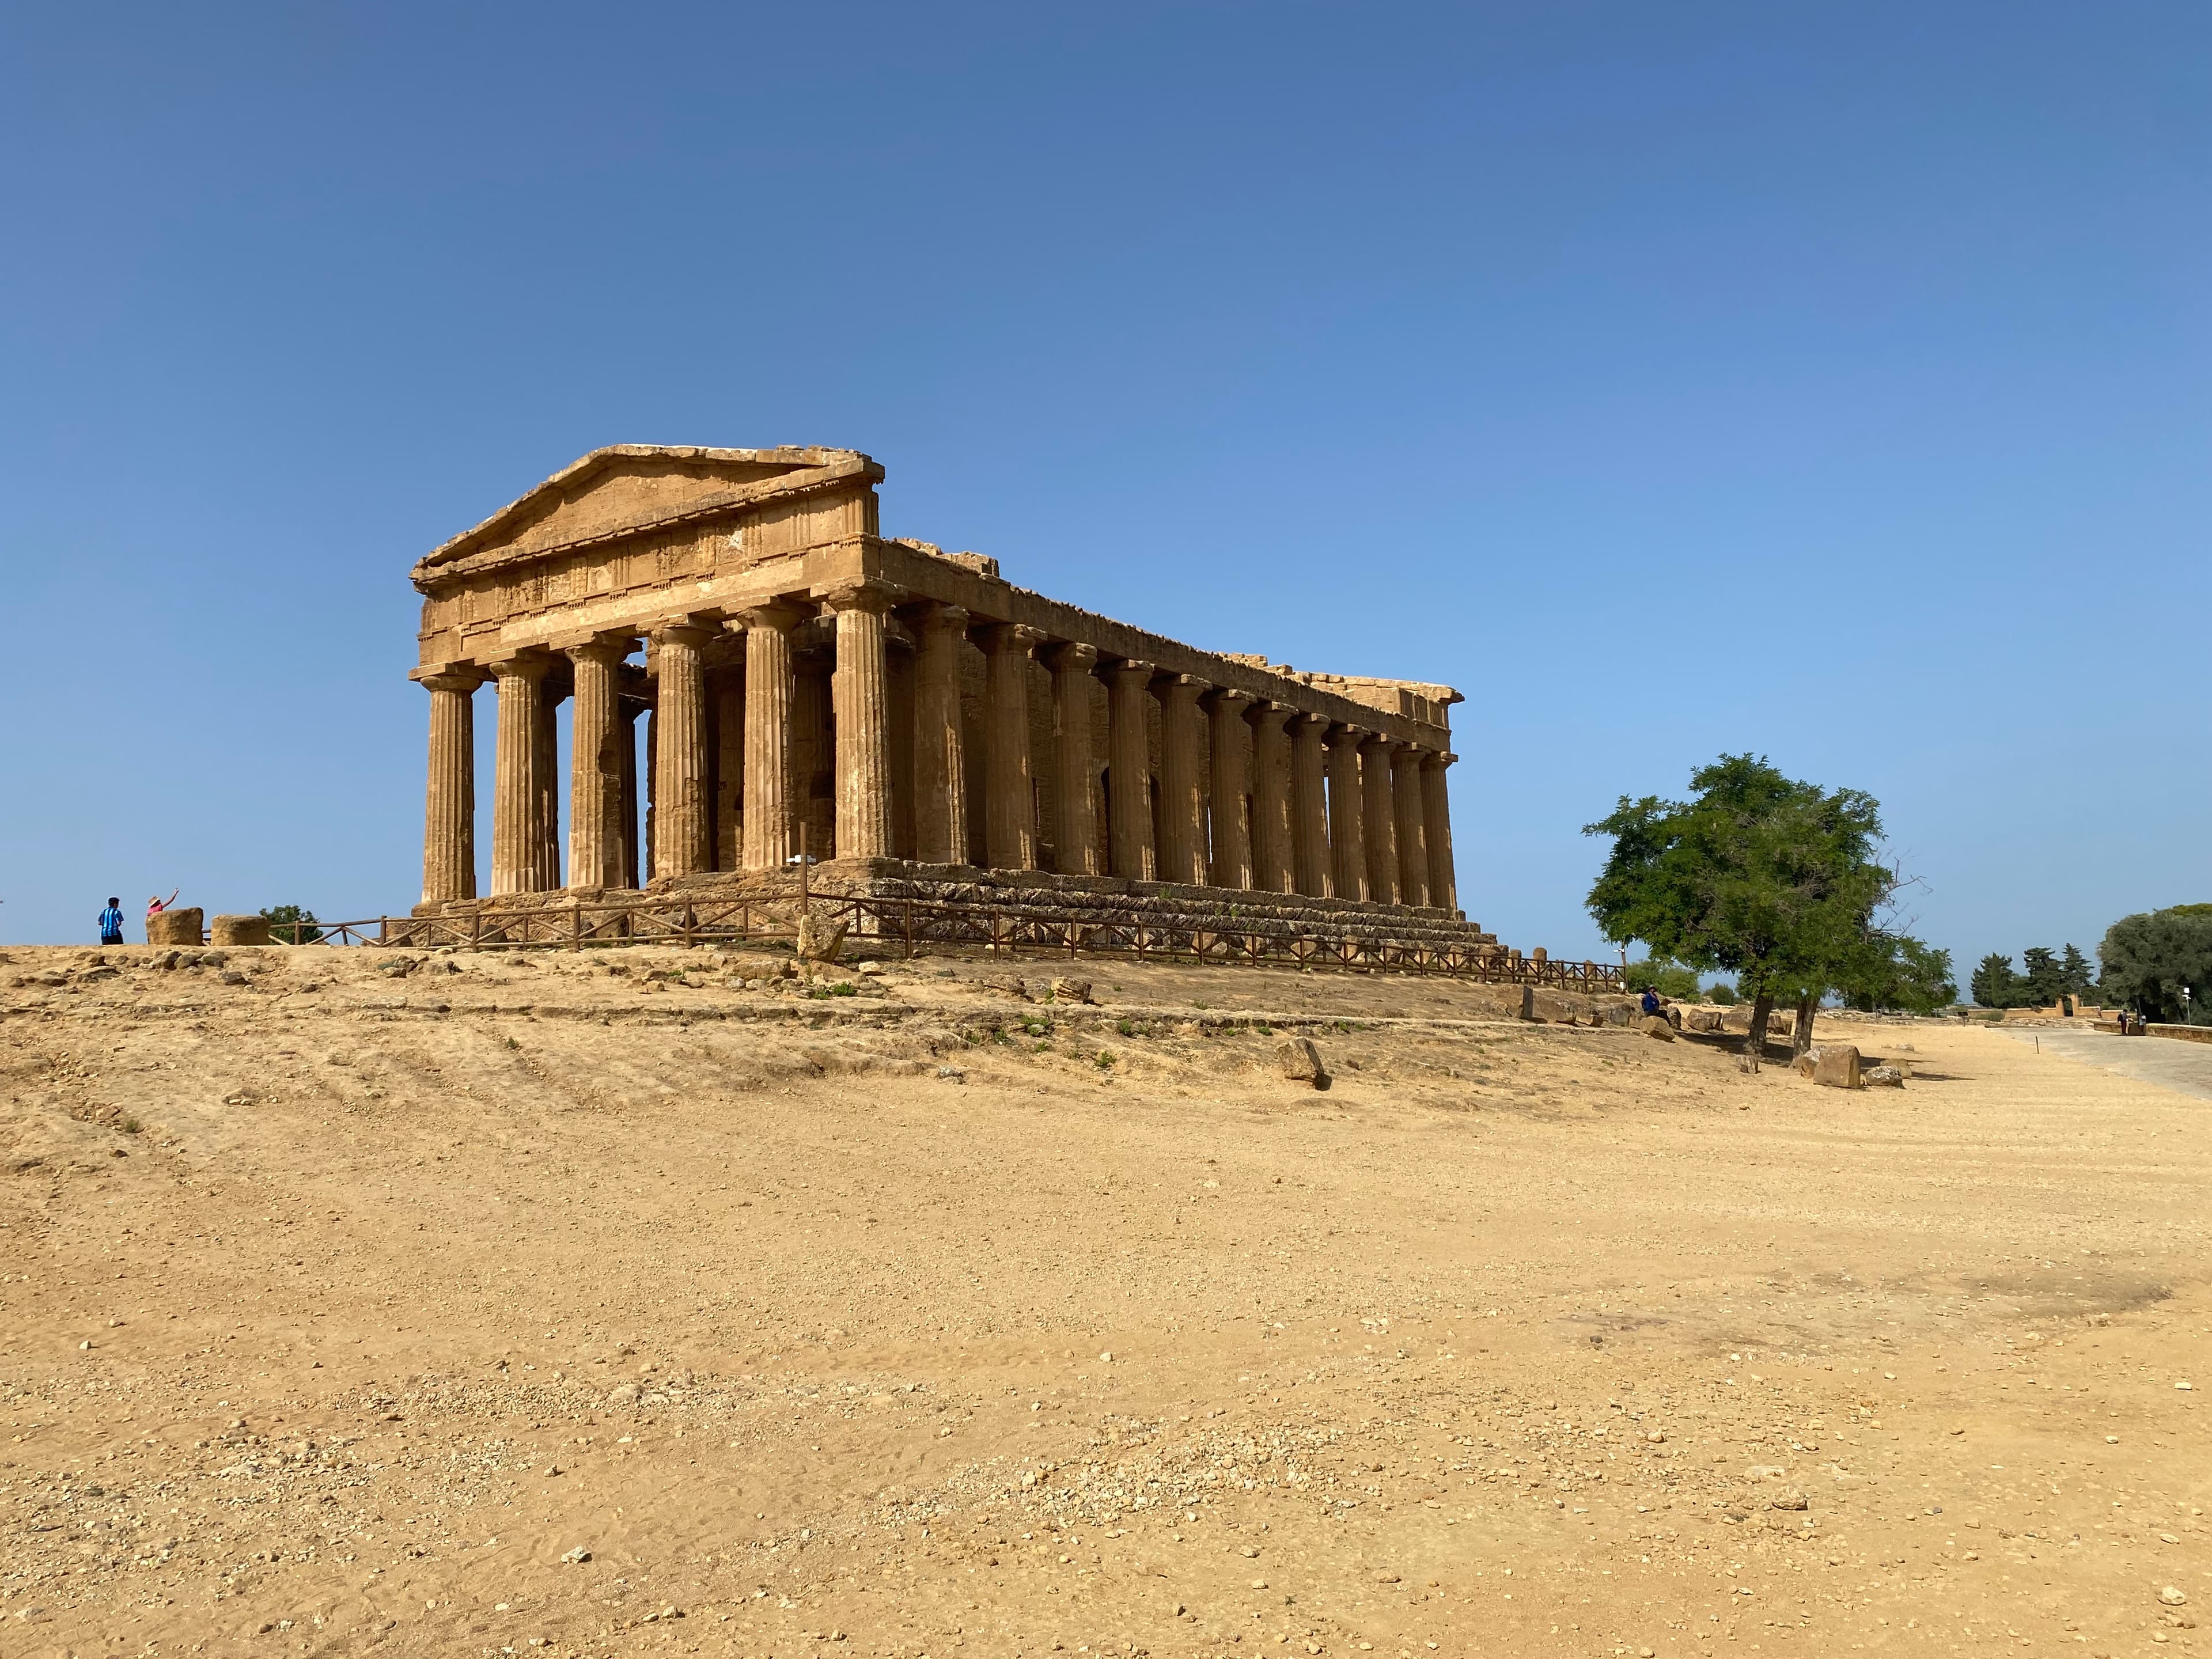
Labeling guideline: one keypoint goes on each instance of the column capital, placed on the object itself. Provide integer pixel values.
(526, 665)
(1383, 742)
(1346, 735)
(1074, 656)
(934, 618)
(1305, 720)
(464, 680)
(1437, 758)
(778, 616)
(1227, 698)
(859, 594)
(1012, 636)
(1130, 666)
(1190, 683)
(1266, 711)
(684, 632)
(602, 648)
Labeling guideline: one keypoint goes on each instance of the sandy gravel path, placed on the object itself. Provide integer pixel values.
(529, 1306)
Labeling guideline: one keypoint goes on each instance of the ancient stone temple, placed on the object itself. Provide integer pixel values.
(908, 716)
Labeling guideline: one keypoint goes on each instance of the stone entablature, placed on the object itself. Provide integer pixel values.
(806, 678)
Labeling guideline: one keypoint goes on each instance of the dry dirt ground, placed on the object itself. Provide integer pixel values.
(566, 1305)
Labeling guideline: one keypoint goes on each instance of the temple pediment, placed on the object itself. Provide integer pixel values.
(627, 488)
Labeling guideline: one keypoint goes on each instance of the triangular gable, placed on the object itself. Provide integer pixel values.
(628, 486)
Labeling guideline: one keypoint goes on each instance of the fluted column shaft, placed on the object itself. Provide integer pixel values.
(1413, 841)
(1230, 775)
(1075, 768)
(940, 765)
(683, 812)
(859, 694)
(545, 808)
(767, 736)
(1272, 871)
(1308, 806)
(1182, 805)
(595, 770)
(516, 861)
(1010, 811)
(1348, 839)
(449, 826)
(1128, 760)
(1436, 815)
(1379, 820)
(626, 710)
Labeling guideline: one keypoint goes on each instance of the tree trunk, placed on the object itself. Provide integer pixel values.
(1754, 1044)
(1801, 1035)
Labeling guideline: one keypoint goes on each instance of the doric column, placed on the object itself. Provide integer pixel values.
(682, 828)
(1348, 839)
(1075, 775)
(546, 807)
(1129, 771)
(1308, 806)
(626, 710)
(449, 825)
(1182, 804)
(860, 701)
(516, 859)
(940, 769)
(767, 736)
(1436, 815)
(1272, 871)
(1010, 810)
(1379, 820)
(1412, 842)
(726, 695)
(595, 780)
(1229, 773)
(649, 841)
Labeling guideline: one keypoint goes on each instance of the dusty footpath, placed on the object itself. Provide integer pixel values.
(625, 1304)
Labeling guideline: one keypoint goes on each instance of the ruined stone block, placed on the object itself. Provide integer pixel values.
(179, 927)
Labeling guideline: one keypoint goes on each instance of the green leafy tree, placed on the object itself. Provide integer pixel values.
(2042, 982)
(2159, 963)
(1770, 879)
(1995, 983)
(1909, 978)
(1722, 994)
(1670, 979)
(2075, 976)
(289, 924)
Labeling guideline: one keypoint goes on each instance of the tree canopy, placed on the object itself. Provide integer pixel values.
(1775, 881)
(2153, 958)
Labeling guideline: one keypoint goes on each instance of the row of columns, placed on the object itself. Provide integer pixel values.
(1334, 809)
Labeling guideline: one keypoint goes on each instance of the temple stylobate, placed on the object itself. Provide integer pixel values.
(904, 714)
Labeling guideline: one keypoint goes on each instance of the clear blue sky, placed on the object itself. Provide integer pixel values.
(1828, 382)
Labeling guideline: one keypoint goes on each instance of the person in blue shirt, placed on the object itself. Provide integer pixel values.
(1650, 1001)
(111, 922)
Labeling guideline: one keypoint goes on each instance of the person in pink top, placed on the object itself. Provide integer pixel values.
(155, 906)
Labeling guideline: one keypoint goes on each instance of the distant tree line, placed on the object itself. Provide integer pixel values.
(2048, 977)
(2157, 963)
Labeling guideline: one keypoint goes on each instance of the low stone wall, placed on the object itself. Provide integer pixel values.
(2186, 1033)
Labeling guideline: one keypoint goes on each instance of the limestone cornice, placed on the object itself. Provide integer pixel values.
(916, 578)
(988, 599)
